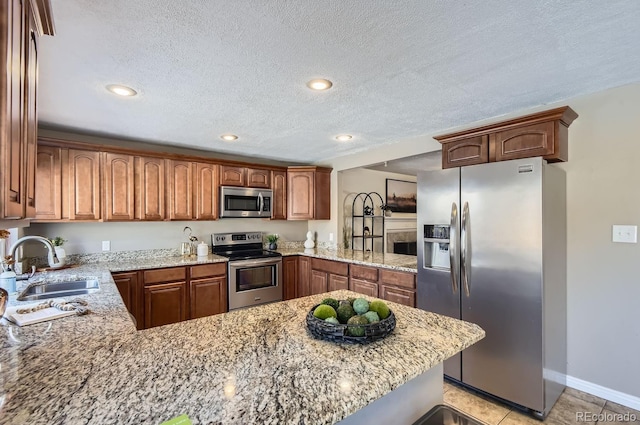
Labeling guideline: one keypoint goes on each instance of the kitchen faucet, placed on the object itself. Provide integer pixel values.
(24, 239)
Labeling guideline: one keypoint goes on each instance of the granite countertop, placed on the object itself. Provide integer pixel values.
(258, 365)
(407, 263)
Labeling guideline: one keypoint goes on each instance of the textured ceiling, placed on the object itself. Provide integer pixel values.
(401, 69)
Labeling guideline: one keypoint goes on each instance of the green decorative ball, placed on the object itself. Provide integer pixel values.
(381, 308)
(324, 311)
(360, 306)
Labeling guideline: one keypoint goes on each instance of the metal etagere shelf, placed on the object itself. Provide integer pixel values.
(364, 221)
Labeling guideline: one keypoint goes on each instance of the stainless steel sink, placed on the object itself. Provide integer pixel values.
(39, 290)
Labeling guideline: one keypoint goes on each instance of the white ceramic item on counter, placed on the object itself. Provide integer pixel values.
(203, 249)
(309, 243)
(61, 254)
(8, 281)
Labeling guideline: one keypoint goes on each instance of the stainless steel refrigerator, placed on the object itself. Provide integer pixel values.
(492, 251)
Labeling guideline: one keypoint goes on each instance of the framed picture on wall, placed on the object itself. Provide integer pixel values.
(401, 195)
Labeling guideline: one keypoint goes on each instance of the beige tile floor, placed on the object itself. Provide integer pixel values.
(491, 412)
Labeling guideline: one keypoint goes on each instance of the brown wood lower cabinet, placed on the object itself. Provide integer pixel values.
(165, 303)
(157, 297)
(290, 277)
(304, 276)
(391, 285)
(127, 284)
(337, 282)
(327, 275)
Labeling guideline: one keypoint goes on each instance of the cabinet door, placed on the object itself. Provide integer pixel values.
(127, 284)
(397, 295)
(48, 183)
(474, 150)
(319, 282)
(290, 277)
(150, 189)
(304, 274)
(180, 193)
(165, 304)
(279, 201)
(118, 186)
(322, 195)
(206, 191)
(337, 282)
(30, 124)
(11, 138)
(525, 141)
(232, 176)
(83, 185)
(300, 186)
(207, 297)
(258, 178)
(363, 287)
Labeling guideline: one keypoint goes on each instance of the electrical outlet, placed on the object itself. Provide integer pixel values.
(625, 234)
(106, 245)
(330, 237)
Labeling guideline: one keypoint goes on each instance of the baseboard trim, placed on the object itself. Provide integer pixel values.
(607, 393)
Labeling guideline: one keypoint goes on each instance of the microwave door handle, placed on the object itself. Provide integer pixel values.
(260, 202)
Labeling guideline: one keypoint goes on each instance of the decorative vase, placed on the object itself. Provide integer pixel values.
(273, 245)
(61, 254)
(309, 243)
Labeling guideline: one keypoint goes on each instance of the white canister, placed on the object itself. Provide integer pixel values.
(8, 281)
(203, 249)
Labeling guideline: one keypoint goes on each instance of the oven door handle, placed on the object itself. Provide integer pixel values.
(256, 262)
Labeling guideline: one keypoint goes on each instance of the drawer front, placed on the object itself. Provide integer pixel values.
(164, 275)
(208, 270)
(403, 279)
(328, 266)
(363, 287)
(397, 295)
(363, 272)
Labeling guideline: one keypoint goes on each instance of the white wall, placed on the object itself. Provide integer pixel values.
(603, 278)
(126, 236)
(354, 181)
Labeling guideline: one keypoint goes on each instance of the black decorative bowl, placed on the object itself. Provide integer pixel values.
(338, 333)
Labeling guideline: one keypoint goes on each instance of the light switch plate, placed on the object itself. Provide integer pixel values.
(106, 245)
(625, 233)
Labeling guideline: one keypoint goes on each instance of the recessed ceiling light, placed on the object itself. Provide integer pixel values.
(344, 137)
(121, 90)
(229, 137)
(319, 84)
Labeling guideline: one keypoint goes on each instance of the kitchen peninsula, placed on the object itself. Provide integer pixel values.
(257, 365)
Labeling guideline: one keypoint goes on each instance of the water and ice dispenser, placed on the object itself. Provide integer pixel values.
(436, 246)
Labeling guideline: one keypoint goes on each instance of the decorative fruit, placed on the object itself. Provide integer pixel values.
(324, 311)
(332, 320)
(356, 330)
(345, 312)
(360, 306)
(332, 302)
(379, 307)
(372, 316)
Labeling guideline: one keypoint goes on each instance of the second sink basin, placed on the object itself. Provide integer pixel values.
(39, 291)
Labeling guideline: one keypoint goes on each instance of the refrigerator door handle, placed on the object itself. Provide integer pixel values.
(453, 254)
(465, 251)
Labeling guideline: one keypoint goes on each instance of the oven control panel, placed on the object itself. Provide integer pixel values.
(236, 238)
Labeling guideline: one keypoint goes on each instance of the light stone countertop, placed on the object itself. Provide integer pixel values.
(407, 263)
(257, 365)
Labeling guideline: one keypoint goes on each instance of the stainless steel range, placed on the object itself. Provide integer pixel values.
(255, 275)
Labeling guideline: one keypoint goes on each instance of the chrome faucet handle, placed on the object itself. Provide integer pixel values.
(29, 275)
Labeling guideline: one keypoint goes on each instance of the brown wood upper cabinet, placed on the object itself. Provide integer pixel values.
(541, 134)
(118, 184)
(245, 177)
(180, 189)
(206, 191)
(81, 184)
(149, 189)
(279, 187)
(48, 183)
(308, 193)
(22, 24)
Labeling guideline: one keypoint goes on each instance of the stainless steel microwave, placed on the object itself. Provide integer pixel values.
(245, 202)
